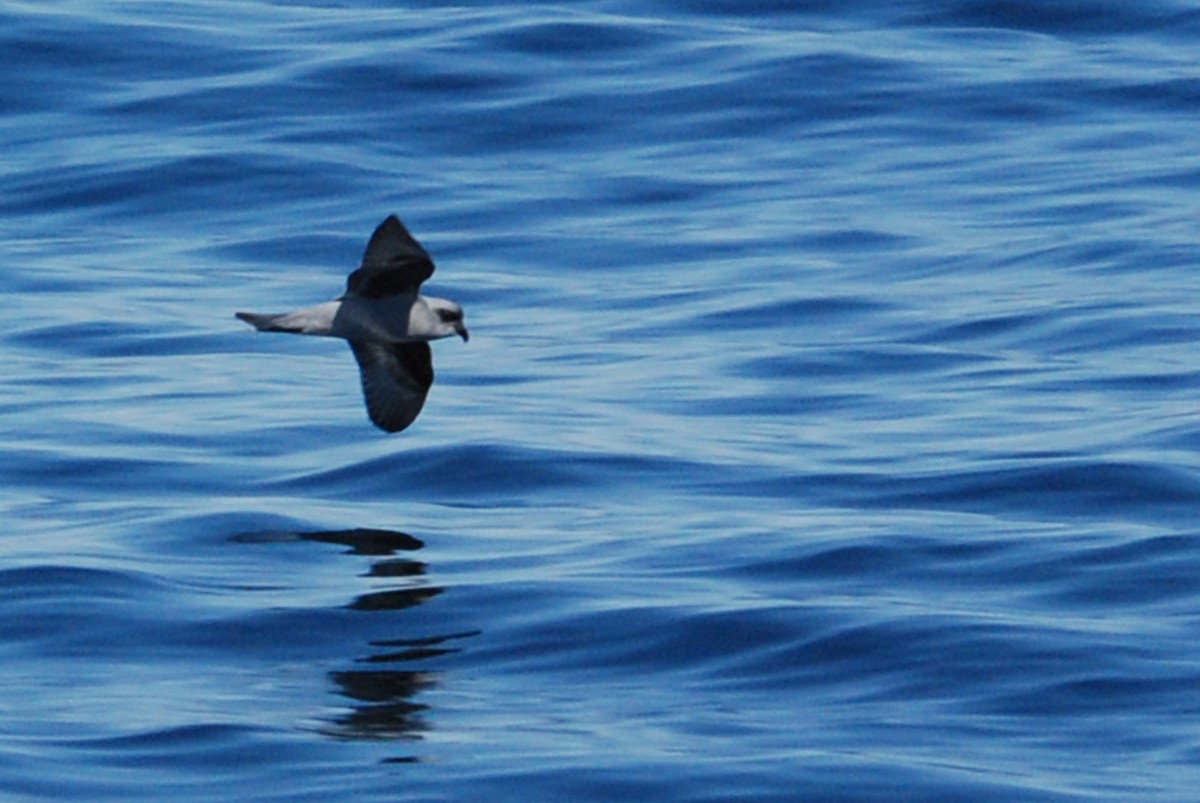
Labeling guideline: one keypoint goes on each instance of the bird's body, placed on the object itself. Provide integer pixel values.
(386, 321)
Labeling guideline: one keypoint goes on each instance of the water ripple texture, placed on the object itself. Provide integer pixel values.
(828, 430)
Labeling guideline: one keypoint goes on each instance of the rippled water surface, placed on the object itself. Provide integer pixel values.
(828, 431)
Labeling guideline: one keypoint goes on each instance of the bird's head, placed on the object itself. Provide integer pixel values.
(449, 318)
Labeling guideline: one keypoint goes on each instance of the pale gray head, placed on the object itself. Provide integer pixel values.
(449, 318)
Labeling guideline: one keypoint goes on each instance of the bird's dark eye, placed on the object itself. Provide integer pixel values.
(449, 315)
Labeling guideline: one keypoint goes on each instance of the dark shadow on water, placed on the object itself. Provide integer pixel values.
(394, 600)
(359, 540)
(384, 707)
(383, 704)
(365, 541)
(396, 568)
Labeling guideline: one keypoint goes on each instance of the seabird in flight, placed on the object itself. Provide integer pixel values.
(386, 321)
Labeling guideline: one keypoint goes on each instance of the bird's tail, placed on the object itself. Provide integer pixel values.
(266, 323)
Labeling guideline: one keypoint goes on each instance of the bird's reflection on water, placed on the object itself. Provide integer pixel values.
(366, 541)
(383, 703)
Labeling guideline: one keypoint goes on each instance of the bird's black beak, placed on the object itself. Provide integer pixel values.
(462, 332)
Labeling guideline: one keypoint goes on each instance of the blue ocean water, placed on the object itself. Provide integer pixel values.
(828, 430)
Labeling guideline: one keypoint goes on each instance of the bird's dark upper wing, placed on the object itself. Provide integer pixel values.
(394, 263)
(395, 381)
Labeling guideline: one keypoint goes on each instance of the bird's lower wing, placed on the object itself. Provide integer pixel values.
(395, 381)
